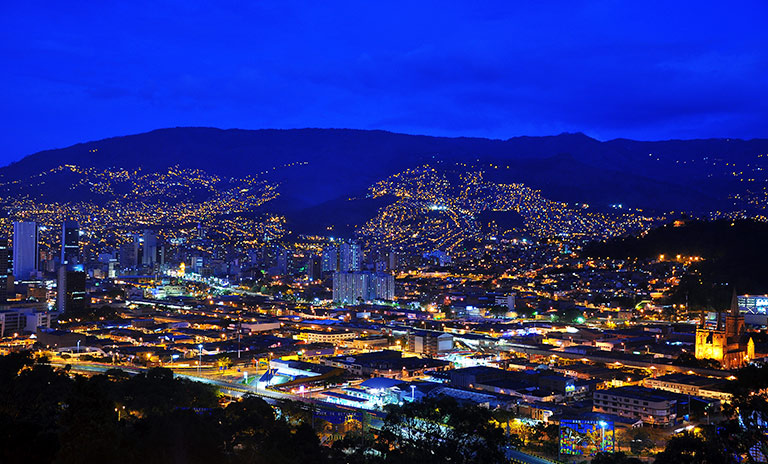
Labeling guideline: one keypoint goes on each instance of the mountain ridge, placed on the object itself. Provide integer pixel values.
(315, 166)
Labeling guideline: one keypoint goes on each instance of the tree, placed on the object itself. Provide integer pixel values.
(689, 360)
(254, 434)
(31, 394)
(158, 391)
(545, 438)
(704, 447)
(439, 431)
(640, 441)
(48, 416)
(88, 425)
(225, 362)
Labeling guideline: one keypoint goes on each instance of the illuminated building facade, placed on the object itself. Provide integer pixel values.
(25, 251)
(6, 271)
(357, 287)
(586, 437)
(71, 288)
(727, 344)
(70, 242)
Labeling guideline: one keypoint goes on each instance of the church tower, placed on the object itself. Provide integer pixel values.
(728, 344)
(734, 321)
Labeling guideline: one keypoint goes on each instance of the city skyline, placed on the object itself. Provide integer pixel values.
(567, 267)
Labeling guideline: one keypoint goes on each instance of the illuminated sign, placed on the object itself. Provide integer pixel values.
(586, 437)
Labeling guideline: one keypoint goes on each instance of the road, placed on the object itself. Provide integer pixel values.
(232, 389)
(229, 388)
(518, 457)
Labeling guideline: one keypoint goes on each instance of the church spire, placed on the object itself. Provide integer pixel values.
(734, 304)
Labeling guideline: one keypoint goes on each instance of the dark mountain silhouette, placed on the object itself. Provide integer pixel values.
(318, 166)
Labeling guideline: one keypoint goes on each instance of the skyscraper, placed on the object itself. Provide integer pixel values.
(314, 268)
(358, 287)
(129, 254)
(26, 255)
(71, 288)
(149, 255)
(6, 271)
(70, 242)
(350, 257)
(330, 259)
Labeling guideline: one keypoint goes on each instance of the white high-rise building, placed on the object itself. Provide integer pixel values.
(350, 257)
(26, 255)
(358, 287)
(330, 259)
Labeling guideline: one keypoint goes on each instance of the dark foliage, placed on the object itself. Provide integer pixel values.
(440, 431)
(48, 417)
(733, 252)
(689, 360)
(705, 447)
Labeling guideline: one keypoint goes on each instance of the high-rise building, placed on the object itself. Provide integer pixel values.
(358, 287)
(71, 288)
(275, 259)
(330, 259)
(129, 255)
(351, 287)
(6, 271)
(382, 286)
(149, 252)
(26, 255)
(507, 300)
(23, 317)
(283, 262)
(70, 242)
(314, 268)
(112, 268)
(393, 261)
(350, 257)
(197, 263)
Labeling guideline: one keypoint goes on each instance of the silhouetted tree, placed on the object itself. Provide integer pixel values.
(439, 431)
(695, 448)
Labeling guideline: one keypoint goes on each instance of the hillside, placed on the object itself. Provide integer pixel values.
(316, 166)
(733, 256)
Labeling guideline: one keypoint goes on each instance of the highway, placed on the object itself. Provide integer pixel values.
(518, 457)
(231, 389)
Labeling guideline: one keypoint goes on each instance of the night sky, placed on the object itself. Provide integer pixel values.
(78, 71)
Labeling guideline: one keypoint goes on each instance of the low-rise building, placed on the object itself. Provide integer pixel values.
(654, 407)
(429, 343)
(694, 385)
(386, 363)
(21, 318)
(321, 336)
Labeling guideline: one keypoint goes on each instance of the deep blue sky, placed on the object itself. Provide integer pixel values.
(78, 71)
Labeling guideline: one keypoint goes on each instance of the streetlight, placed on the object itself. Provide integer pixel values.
(603, 425)
(200, 357)
(78, 346)
(413, 392)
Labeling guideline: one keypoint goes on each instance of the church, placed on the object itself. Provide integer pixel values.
(730, 345)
